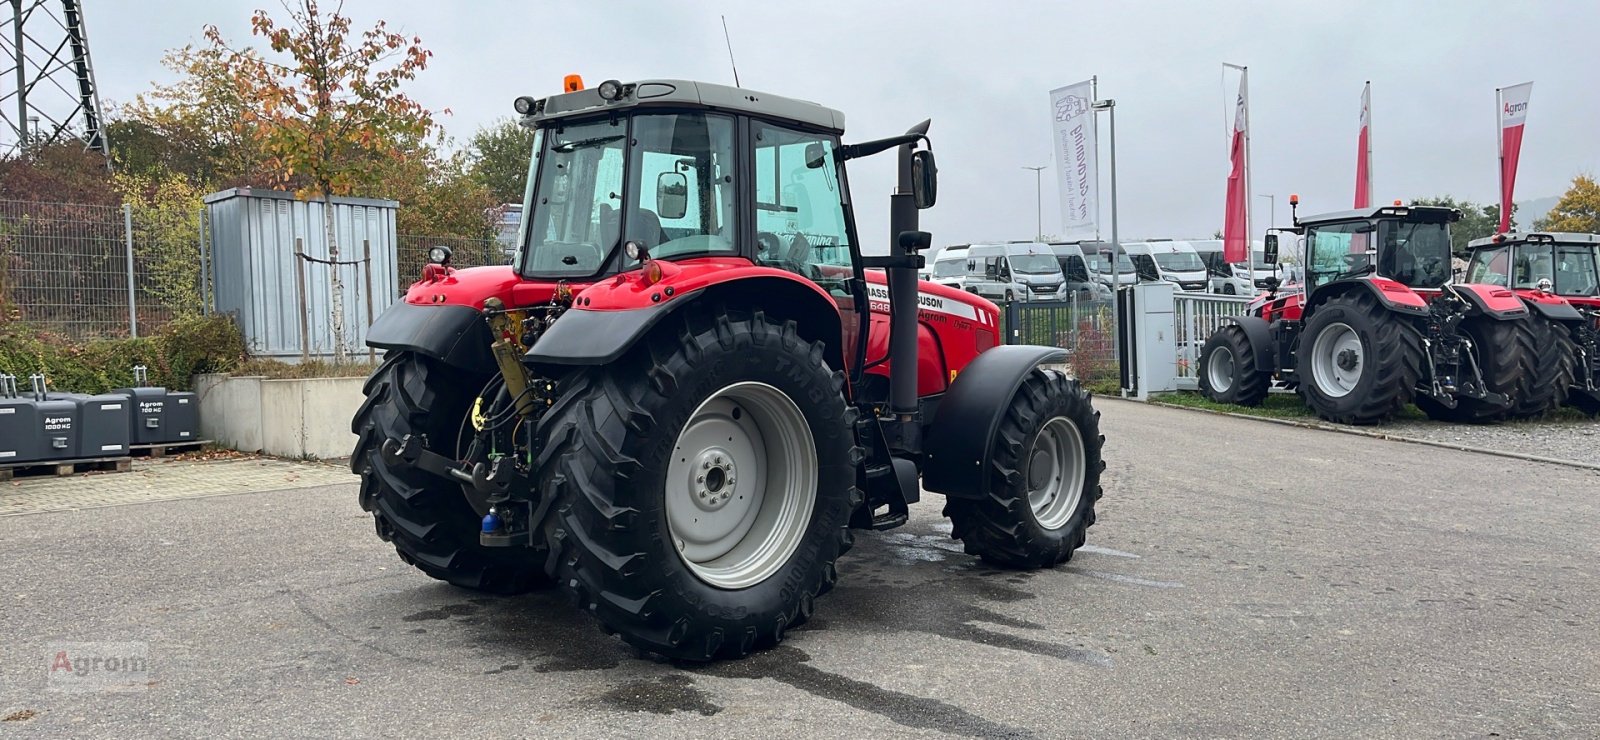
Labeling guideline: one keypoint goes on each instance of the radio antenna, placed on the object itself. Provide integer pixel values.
(729, 41)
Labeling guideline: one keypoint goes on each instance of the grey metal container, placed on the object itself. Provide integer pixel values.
(157, 415)
(56, 425)
(183, 416)
(283, 300)
(103, 423)
(20, 441)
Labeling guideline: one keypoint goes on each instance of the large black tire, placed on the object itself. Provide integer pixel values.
(1002, 525)
(428, 518)
(1554, 365)
(1239, 380)
(1508, 355)
(611, 437)
(1390, 357)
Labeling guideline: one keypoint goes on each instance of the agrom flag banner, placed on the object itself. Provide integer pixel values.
(1513, 104)
(1075, 165)
(1236, 211)
(1364, 151)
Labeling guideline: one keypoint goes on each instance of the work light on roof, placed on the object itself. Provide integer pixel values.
(610, 90)
(524, 105)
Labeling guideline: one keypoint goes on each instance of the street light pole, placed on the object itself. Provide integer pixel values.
(1116, 246)
(1038, 199)
(1272, 209)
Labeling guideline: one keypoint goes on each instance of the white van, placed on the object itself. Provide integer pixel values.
(1076, 271)
(1098, 257)
(949, 267)
(1225, 278)
(1174, 262)
(1018, 271)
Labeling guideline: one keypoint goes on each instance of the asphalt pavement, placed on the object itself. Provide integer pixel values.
(1245, 579)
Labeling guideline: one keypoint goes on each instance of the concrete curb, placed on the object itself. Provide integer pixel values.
(1377, 435)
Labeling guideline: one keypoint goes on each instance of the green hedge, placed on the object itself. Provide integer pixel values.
(174, 355)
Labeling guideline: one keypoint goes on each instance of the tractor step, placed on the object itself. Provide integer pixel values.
(889, 520)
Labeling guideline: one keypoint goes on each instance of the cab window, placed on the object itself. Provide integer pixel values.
(800, 223)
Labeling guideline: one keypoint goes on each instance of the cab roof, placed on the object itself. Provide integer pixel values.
(1427, 214)
(1522, 237)
(686, 94)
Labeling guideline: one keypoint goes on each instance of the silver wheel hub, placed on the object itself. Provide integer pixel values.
(1056, 467)
(1337, 360)
(741, 485)
(1219, 371)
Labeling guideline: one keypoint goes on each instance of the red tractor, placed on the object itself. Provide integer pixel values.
(1378, 325)
(692, 385)
(1556, 274)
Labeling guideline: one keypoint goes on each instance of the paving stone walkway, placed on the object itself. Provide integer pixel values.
(165, 480)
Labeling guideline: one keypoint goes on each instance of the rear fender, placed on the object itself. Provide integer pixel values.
(1550, 306)
(1493, 301)
(1260, 336)
(611, 317)
(961, 435)
(1394, 296)
(454, 334)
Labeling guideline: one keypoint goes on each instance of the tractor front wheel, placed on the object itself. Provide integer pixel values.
(1359, 363)
(703, 485)
(426, 517)
(1228, 371)
(1043, 478)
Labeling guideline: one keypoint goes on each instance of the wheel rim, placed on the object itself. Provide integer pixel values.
(1055, 473)
(1337, 360)
(741, 485)
(1219, 371)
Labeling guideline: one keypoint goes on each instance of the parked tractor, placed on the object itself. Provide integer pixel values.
(1377, 325)
(692, 386)
(1556, 274)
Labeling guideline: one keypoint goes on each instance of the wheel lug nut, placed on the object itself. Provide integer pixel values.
(706, 465)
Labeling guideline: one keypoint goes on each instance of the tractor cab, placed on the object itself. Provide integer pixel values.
(1567, 265)
(1408, 245)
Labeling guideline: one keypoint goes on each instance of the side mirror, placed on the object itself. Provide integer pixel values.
(816, 155)
(1270, 248)
(924, 178)
(672, 195)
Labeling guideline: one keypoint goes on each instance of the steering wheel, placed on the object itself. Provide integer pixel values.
(768, 246)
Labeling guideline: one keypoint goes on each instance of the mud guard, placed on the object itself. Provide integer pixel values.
(1552, 307)
(455, 335)
(1493, 301)
(1260, 336)
(960, 438)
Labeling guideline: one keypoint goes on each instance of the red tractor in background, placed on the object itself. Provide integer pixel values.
(692, 385)
(1378, 325)
(1558, 276)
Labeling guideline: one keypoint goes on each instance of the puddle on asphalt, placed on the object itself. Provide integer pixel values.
(665, 695)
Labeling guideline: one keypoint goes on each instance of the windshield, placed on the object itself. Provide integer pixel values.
(1414, 254)
(1569, 268)
(1260, 259)
(678, 192)
(1179, 262)
(1100, 263)
(1034, 264)
(950, 268)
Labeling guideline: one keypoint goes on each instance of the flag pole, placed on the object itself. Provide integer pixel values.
(1370, 178)
(1500, 153)
(1094, 96)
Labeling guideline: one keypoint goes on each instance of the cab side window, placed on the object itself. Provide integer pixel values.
(800, 224)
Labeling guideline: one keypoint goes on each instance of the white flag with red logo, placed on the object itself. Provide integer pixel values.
(1235, 221)
(1513, 114)
(1364, 151)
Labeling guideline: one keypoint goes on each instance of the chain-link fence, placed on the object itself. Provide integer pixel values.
(464, 252)
(95, 270)
(1085, 328)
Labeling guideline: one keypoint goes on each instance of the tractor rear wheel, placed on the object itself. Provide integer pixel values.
(703, 485)
(1358, 363)
(427, 518)
(1554, 364)
(1043, 478)
(1507, 353)
(1228, 371)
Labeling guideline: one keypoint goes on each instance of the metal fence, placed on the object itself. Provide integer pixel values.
(1086, 329)
(1194, 317)
(464, 252)
(95, 270)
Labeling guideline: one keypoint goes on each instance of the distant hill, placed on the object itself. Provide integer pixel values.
(1529, 211)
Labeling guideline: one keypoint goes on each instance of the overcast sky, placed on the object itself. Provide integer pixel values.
(983, 71)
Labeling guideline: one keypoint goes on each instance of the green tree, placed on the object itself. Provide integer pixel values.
(1577, 211)
(500, 154)
(327, 106)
